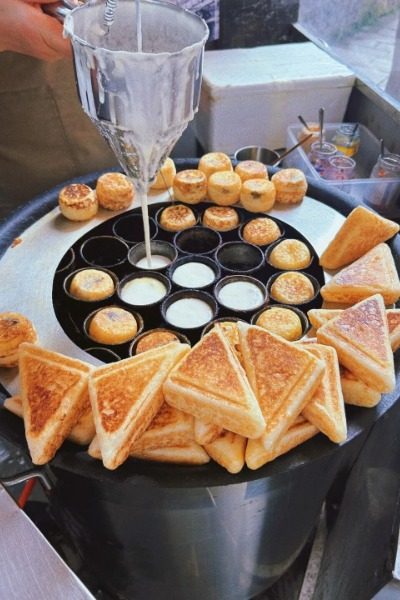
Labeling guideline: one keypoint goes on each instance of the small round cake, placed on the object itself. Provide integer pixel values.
(15, 329)
(224, 188)
(190, 186)
(154, 339)
(78, 202)
(292, 288)
(281, 321)
(177, 217)
(91, 285)
(114, 191)
(251, 169)
(257, 195)
(112, 325)
(165, 176)
(261, 231)
(221, 218)
(290, 184)
(214, 161)
(290, 255)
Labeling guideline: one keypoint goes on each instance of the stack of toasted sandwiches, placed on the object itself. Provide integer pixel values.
(241, 396)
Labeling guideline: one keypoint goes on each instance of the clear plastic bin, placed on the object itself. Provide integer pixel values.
(383, 195)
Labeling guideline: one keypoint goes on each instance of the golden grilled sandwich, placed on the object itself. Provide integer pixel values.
(357, 392)
(393, 318)
(205, 433)
(361, 231)
(210, 384)
(126, 396)
(325, 410)
(284, 377)
(83, 431)
(186, 453)
(228, 450)
(320, 316)
(14, 405)
(360, 337)
(374, 273)
(170, 427)
(54, 396)
(301, 431)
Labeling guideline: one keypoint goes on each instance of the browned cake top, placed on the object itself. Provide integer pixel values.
(116, 182)
(47, 385)
(75, 193)
(261, 231)
(177, 215)
(14, 325)
(154, 340)
(191, 177)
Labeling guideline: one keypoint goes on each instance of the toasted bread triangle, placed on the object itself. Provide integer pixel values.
(361, 231)
(170, 427)
(325, 410)
(14, 405)
(374, 273)
(360, 337)
(186, 454)
(228, 450)
(53, 394)
(283, 376)
(299, 432)
(82, 432)
(125, 397)
(210, 384)
(320, 316)
(393, 317)
(356, 392)
(205, 433)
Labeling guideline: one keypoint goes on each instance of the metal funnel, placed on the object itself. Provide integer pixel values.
(140, 101)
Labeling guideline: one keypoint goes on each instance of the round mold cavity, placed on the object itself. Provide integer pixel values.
(239, 257)
(197, 240)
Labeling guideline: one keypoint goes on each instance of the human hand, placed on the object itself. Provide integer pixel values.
(26, 29)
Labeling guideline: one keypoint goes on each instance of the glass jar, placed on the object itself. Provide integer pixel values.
(347, 139)
(341, 167)
(319, 157)
(387, 165)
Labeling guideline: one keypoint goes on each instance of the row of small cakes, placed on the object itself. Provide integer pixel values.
(215, 179)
